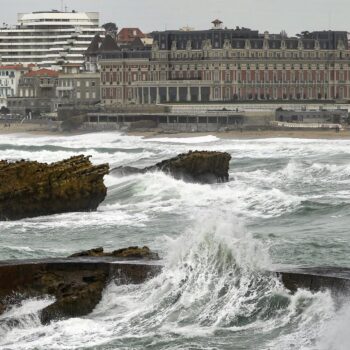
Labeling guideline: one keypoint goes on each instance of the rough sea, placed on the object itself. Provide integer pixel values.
(287, 205)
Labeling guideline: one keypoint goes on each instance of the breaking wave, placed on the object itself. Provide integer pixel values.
(213, 292)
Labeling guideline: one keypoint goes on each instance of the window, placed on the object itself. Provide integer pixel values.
(87, 83)
(78, 84)
(78, 95)
(216, 76)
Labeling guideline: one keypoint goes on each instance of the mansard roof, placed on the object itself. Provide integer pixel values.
(109, 44)
(136, 44)
(328, 40)
(94, 45)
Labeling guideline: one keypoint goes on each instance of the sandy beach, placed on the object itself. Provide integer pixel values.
(30, 128)
(254, 134)
(44, 128)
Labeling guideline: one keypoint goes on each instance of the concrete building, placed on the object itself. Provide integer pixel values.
(337, 116)
(36, 91)
(9, 79)
(228, 65)
(49, 38)
(77, 88)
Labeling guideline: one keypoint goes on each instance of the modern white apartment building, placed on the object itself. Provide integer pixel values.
(49, 39)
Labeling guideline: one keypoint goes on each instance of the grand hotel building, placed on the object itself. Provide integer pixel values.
(227, 65)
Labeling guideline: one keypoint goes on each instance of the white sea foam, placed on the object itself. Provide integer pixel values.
(184, 140)
(213, 289)
(213, 281)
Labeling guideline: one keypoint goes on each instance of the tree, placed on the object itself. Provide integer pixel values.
(110, 27)
(283, 34)
(73, 123)
(305, 35)
(4, 110)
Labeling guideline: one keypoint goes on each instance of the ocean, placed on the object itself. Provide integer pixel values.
(287, 204)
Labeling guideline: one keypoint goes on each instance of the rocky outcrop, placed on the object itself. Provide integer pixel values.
(197, 166)
(76, 284)
(128, 253)
(335, 279)
(29, 189)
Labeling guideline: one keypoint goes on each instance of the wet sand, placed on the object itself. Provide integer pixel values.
(253, 134)
(51, 129)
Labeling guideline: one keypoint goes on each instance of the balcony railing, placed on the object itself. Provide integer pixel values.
(47, 85)
(182, 79)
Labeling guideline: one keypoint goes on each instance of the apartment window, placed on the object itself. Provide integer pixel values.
(93, 83)
(78, 95)
(216, 75)
(87, 95)
(78, 84)
(87, 83)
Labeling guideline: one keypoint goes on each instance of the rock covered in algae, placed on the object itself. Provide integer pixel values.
(29, 188)
(197, 166)
(128, 253)
(76, 283)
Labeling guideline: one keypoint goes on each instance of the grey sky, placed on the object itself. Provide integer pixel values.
(272, 15)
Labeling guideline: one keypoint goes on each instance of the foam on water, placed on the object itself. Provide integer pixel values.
(185, 140)
(214, 289)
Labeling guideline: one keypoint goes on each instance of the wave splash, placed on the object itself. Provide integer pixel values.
(214, 289)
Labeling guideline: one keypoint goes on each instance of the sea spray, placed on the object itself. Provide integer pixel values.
(215, 288)
(292, 194)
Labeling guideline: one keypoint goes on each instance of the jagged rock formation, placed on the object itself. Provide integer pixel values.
(129, 253)
(197, 166)
(29, 189)
(77, 283)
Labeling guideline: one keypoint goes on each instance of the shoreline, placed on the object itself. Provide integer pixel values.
(43, 129)
(252, 134)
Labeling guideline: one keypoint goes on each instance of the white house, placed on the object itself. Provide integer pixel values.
(9, 78)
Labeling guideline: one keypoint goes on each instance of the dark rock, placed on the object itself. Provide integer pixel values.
(91, 252)
(29, 189)
(129, 253)
(76, 284)
(335, 279)
(197, 166)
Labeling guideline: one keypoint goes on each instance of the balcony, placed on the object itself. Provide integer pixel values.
(47, 85)
(65, 88)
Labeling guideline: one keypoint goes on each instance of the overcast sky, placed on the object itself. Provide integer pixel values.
(272, 15)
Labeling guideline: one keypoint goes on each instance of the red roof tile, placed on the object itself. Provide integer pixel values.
(42, 73)
(129, 34)
(12, 67)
